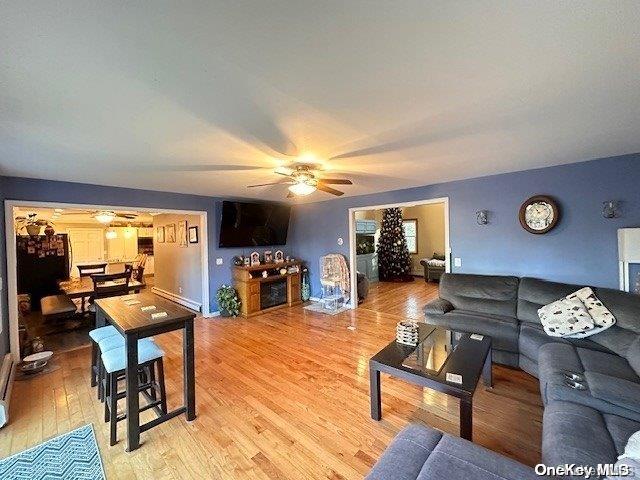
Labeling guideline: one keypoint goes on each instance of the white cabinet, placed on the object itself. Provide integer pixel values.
(368, 264)
(124, 247)
(145, 232)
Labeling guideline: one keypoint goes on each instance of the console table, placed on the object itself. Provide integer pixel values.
(260, 294)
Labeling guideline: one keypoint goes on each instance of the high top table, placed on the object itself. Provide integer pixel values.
(134, 323)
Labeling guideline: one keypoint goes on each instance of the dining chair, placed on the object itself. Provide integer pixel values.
(88, 270)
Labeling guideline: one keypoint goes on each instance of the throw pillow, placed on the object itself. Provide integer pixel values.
(628, 464)
(564, 317)
(601, 315)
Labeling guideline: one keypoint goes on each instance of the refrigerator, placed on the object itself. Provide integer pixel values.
(41, 262)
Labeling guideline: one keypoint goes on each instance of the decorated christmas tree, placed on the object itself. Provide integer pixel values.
(394, 262)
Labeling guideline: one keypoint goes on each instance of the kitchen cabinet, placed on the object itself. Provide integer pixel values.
(145, 232)
(124, 247)
(366, 226)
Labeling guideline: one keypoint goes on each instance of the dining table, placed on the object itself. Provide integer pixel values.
(82, 287)
(142, 315)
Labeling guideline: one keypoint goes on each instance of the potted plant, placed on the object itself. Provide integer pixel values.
(32, 225)
(228, 301)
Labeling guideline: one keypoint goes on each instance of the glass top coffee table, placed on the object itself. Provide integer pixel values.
(444, 360)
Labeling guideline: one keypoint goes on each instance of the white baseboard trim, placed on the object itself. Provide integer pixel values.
(185, 302)
(212, 314)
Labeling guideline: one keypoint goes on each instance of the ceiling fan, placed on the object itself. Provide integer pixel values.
(102, 216)
(303, 182)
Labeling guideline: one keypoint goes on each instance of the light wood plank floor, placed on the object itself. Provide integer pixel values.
(282, 395)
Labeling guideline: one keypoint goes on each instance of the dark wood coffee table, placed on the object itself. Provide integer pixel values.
(440, 352)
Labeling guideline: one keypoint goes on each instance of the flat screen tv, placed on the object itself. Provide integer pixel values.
(253, 224)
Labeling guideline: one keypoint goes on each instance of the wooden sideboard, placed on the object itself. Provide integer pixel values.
(251, 286)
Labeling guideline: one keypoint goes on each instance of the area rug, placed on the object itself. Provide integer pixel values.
(317, 307)
(71, 455)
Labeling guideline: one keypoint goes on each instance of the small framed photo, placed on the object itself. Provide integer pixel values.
(255, 258)
(247, 261)
(279, 256)
(160, 234)
(193, 234)
(268, 257)
(182, 234)
(170, 232)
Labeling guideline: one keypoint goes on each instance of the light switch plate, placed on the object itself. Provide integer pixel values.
(454, 378)
(218, 261)
(457, 262)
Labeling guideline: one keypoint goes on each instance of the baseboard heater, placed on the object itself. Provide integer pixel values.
(7, 371)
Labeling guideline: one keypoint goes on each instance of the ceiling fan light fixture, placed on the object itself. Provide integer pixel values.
(302, 189)
(104, 217)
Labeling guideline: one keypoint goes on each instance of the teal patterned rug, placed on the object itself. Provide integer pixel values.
(73, 455)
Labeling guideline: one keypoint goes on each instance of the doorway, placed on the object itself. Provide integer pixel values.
(425, 226)
(79, 235)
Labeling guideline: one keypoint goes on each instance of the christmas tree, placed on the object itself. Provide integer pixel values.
(394, 262)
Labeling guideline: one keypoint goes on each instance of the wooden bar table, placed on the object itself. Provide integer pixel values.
(126, 314)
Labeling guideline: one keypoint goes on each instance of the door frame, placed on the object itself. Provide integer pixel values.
(11, 254)
(352, 237)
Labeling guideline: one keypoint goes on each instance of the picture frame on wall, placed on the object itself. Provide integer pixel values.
(193, 234)
(160, 234)
(182, 234)
(170, 233)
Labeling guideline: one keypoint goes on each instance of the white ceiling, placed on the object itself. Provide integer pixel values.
(389, 94)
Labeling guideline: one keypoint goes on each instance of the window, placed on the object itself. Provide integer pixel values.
(410, 228)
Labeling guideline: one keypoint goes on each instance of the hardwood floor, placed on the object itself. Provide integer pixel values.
(281, 395)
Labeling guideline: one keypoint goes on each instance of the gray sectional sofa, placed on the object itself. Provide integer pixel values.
(581, 426)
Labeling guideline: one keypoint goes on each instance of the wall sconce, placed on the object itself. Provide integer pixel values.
(482, 217)
(610, 209)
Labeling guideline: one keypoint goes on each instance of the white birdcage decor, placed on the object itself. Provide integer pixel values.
(334, 279)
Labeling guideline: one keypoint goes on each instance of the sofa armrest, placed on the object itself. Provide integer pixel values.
(439, 306)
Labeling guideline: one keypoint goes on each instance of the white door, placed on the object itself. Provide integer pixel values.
(87, 246)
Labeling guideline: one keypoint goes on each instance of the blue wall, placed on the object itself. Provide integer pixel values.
(581, 249)
(12, 188)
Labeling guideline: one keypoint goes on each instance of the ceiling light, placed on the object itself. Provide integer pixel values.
(302, 189)
(104, 217)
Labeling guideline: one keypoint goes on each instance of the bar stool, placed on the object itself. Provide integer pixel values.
(150, 357)
(96, 335)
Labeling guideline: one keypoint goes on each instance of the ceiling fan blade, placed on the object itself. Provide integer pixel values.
(283, 171)
(128, 216)
(272, 183)
(335, 181)
(330, 190)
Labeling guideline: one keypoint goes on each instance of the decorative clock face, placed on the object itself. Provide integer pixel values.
(539, 214)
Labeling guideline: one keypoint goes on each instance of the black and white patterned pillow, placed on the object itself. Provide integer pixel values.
(565, 317)
(601, 315)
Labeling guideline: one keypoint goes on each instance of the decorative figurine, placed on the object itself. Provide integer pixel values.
(279, 256)
(255, 258)
(265, 274)
(268, 257)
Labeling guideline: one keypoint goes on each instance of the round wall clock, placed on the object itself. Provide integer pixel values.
(539, 214)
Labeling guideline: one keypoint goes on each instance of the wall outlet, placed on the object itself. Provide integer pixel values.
(457, 262)
(179, 289)
(218, 261)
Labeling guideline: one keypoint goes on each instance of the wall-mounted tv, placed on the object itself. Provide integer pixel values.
(253, 224)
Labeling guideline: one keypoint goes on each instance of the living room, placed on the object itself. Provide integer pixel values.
(521, 119)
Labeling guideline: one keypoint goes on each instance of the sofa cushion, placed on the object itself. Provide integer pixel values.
(633, 355)
(617, 391)
(534, 294)
(422, 453)
(601, 371)
(439, 306)
(491, 295)
(532, 337)
(406, 455)
(502, 330)
(582, 435)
